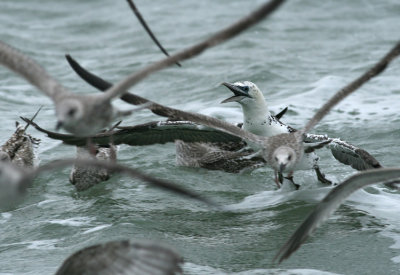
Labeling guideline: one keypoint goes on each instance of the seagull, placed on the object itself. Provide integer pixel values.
(283, 151)
(331, 202)
(20, 147)
(123, 257)
(258, 120)
(84, 115)
(84, 177)
(14, 180)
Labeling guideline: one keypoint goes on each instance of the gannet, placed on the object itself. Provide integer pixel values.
(123, 257)
(331, 202)
(14, 180)
(258, 120)
(282, 152)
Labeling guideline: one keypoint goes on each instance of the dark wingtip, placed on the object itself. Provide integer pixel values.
(148, 30)
(281, 113)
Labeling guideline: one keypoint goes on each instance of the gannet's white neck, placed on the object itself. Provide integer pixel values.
(256, 116)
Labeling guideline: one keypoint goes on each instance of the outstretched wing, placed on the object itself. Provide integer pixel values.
(171, 113)
(346, 153)
(147, 28)
(31, 71)
(123, 257)
(114, 167)
(158, 132)
(331, 202)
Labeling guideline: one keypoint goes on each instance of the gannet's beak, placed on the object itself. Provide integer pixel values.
(239, 93)
(59, 125)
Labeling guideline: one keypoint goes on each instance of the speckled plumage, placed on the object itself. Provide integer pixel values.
(228, 157)
(84, 177)
(20, 148)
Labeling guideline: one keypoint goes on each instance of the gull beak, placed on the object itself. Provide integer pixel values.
(239, 93)
(59, 125)
(282, 167)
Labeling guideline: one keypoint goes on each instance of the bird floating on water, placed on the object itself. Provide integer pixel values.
(283, 151)
(123, 257)
(20, 147)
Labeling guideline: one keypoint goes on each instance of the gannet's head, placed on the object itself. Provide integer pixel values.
(283, 159)
(246, 92)
(69, 113)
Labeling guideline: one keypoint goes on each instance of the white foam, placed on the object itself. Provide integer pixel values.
(79, 221)
(97, 228)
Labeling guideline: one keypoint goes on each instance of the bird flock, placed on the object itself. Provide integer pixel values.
(262, 140)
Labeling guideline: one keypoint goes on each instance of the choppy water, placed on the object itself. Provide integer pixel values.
(299, 58)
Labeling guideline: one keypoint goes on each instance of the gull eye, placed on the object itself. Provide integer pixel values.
(71, 112)
(245, 88)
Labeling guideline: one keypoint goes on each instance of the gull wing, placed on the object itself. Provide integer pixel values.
(225, 34)
(31, 71)
(147, 28)
(378, 68)
(123, 257)
(171, 113)
(346, 153)
(114, 167)
(158, 132)
(331, 202)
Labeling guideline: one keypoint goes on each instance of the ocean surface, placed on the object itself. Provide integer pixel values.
(299, 57)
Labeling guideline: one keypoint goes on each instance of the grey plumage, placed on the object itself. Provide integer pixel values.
(331, 202)
(123, 257)
(346, 153)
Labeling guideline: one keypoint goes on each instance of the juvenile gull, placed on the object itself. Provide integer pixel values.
(84, 115)
(14, 180)
(84, 177)
(283, 151)
(123, 257)
(20, 147)
(331, 202)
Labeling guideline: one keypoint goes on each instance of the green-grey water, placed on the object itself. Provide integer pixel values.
(299, 57)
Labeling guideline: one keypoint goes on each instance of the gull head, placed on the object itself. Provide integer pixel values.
(70, 113)
(283, 159)
(245, 93)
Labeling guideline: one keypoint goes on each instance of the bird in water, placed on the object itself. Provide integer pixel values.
(123, 257)
(20, 147)
(258, 120)
(283, 151)
(344, 152)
